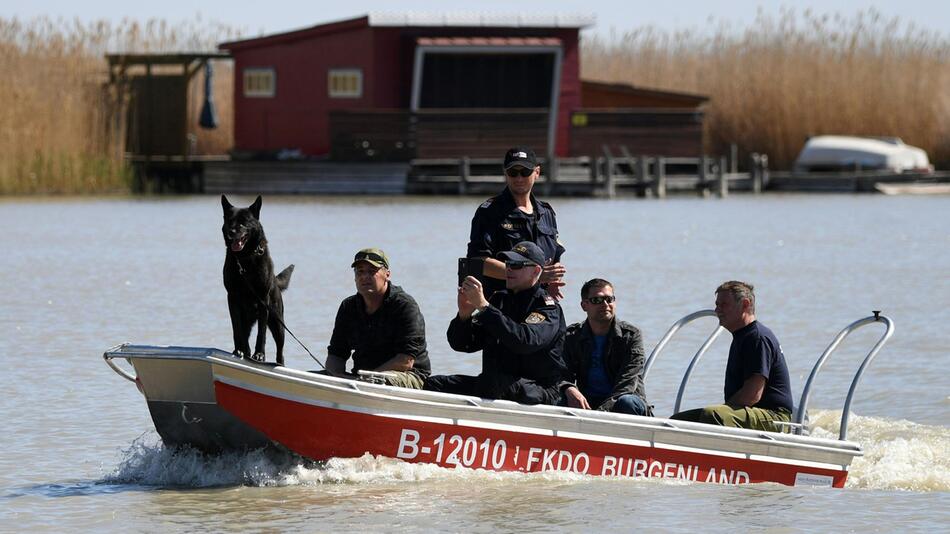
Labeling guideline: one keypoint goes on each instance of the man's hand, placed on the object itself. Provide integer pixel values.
(553, 276)
(576, 399)
(336, 366)
(553, 273)
(749, 394)
(471, 296)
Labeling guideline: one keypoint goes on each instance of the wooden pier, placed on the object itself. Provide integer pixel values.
(617, 173)
(606, 176)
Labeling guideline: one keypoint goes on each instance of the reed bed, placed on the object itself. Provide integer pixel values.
(57, 123)
(771, 85)
(785, 78)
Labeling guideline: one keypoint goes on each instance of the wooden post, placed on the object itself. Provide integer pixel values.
(609, 184)
(594, 163)
(733, 158)
(660, 170)
(722, 178)
(755, 172)
(551, 175)
(703, 179)
(464, 172)
(641, 172)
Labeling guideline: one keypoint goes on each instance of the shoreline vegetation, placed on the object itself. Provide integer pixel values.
(771, 84)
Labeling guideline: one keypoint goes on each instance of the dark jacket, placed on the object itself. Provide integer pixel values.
(498, 225)
(397, 327)
(623, 360)
(520, 336)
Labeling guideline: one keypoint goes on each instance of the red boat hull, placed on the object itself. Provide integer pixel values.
(321, 433)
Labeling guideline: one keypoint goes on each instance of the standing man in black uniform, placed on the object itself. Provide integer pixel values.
(520, 331)
(513, 216)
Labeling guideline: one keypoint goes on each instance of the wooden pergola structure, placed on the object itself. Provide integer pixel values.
(152, 119)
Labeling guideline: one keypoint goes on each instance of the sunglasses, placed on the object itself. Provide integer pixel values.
(516, 265)
(515, 172)
(609, 299)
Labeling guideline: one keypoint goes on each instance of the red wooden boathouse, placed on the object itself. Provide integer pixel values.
(386, 87)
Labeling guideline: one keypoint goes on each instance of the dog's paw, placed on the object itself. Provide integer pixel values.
(258, 357)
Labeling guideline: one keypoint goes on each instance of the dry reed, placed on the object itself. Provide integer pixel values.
(783, 79)
(771, 86)
(56, 129)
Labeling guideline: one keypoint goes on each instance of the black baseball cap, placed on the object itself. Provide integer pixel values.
(520, 156)
(524, 251)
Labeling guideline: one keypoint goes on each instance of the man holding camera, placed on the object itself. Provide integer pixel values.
(520, 331)
(513, 216)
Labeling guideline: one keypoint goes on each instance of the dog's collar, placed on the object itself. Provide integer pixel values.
(261, 248)
(259, 251)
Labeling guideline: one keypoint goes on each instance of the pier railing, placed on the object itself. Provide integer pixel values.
(615, 172)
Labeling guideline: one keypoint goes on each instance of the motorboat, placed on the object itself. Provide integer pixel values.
(211, 400)
(825, 153)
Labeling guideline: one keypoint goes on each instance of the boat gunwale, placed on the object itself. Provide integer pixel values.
(489, 407)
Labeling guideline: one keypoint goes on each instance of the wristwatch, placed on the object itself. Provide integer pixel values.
(475, 313)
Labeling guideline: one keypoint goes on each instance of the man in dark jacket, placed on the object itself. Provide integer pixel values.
(604, 356)
(380, 326)
(519, 331)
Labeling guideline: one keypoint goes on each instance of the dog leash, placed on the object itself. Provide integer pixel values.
(277, 315)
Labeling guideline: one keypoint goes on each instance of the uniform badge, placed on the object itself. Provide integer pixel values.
(535, 318)
(549, 300)
(486, 203)
(507, 226)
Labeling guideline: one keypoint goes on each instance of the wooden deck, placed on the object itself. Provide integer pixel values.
(305, 177)
(607, 176)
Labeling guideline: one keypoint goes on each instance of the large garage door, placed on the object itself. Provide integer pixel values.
(486, 81)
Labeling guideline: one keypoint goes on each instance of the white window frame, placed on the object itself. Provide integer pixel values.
(259, 93)
(356, 92)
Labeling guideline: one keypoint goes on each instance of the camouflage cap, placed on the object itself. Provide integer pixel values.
(373, 256)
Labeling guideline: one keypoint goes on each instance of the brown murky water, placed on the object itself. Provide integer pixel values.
(81, 275)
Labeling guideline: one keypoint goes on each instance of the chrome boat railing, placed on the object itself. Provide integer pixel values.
(803, 403)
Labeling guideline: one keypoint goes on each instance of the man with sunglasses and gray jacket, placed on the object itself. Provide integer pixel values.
(604, 356)
(513, 216)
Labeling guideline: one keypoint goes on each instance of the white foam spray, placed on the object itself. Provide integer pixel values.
(898, 455)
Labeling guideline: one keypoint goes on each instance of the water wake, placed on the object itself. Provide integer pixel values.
(149, 463)
(898, 455)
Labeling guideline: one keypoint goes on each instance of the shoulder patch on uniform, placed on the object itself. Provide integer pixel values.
(486, 203)
(535, 318)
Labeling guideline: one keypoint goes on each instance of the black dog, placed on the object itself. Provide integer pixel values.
(253, 290)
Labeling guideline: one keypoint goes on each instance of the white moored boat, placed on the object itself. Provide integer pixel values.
(210, 399)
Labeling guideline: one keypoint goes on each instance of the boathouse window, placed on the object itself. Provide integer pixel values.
(345, 83)
(259, 83)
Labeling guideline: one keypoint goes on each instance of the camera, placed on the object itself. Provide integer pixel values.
(470, 267)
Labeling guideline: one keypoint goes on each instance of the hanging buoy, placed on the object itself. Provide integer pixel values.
(209, 119)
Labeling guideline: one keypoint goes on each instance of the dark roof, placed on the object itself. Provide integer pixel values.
(418, 20)
(163, 59)
(687, 99)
